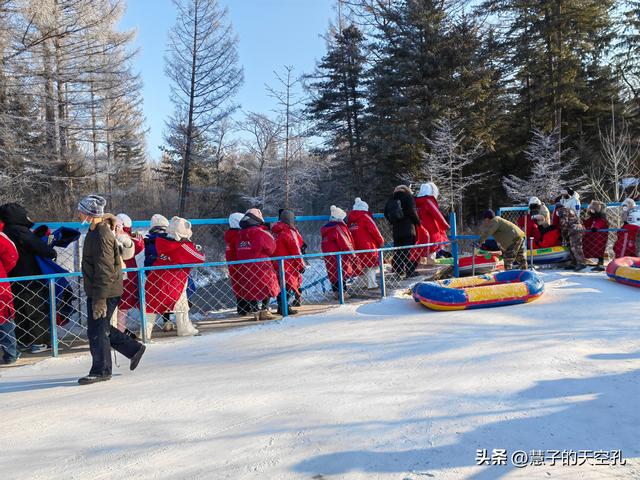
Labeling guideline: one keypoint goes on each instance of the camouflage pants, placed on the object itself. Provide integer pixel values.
(515, 251)
(575, 247)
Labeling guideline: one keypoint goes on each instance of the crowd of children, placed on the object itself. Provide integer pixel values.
(414, 215)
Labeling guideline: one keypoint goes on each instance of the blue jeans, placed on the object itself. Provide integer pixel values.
(8, 341)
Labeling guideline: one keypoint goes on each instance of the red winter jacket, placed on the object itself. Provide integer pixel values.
(231, 254)
(8, 260)
(164, 287)
(130, 285)
(432, 220)
(625, 245)
(256, 281)
(288, 243)
(366, 236)
(531, 230)
(595, 243)
(337, 238)
(549, 238)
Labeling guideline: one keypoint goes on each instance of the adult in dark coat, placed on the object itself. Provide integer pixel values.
(31, 298)
(103, 284)
(402, 214)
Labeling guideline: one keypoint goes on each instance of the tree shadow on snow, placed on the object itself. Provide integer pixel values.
(596, 413)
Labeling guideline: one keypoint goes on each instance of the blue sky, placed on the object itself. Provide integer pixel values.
(272, 33)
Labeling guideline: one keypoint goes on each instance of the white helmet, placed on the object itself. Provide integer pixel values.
(634, 217)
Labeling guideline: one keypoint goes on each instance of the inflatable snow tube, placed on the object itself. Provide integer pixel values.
(491, 290)
(625, 270)
(484, 262)
(550, 255)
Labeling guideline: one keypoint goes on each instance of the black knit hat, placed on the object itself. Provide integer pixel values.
(489, 214)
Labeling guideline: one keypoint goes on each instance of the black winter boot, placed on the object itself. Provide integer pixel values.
(89, 379)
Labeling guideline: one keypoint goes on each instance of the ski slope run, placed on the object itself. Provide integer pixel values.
(384, 390)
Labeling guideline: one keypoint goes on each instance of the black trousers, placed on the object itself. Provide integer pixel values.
(103, 337)
(401, 262)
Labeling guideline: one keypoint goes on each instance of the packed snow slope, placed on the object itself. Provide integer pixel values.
(373, 391)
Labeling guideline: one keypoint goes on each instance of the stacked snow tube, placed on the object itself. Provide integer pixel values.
(625, 270)
(484, 262)
(491, 290)
(550, 255)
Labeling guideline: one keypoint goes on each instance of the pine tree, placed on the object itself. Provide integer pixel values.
(337, 110)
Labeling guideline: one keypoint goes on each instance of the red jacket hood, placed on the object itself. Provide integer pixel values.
(355, 215)
(332, 226)
(280, 227)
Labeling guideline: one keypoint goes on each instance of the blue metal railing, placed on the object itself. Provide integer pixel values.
(142, 271)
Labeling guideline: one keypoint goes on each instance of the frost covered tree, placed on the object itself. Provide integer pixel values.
(551, 169)
(451, 154)
(619, 161)
(202, 64)
(288, 106)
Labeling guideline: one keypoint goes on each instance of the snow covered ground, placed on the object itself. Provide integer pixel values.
(372, 391)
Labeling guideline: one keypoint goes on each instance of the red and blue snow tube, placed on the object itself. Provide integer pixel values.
(625, 270)
(491, 290)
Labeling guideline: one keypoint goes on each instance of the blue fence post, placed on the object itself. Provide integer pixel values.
(284, 300)
(454, 244)
(143, 305)
(383, 283)
(340, 281)
(53, 309)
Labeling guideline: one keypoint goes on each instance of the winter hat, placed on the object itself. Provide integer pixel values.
(338, 214)
(158, 220)
(360, 205)
(124, 219)
(255, 214)
(567, 191)
(92, 206)
(428, 189)
(489, 214)
(403, 188)
(179, 229)
(235, 219)
(287, 217)
(634, 217)
(534, 201)
(628, 204)
(597, 207)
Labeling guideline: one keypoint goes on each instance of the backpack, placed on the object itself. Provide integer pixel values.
(394, 210)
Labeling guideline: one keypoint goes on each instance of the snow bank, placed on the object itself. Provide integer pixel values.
(379, 390)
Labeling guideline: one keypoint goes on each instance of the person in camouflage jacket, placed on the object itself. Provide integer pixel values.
(572, 232)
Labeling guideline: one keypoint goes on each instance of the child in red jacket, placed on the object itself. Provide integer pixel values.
(289, 243)
(366, 236)
(257, 281)
(133, 243)
(166, 290)
(594, 243)
(8, 260)
(336, 237)
(231, 255)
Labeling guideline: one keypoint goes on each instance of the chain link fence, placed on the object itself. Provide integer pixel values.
(51, 310)
(597, 245)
